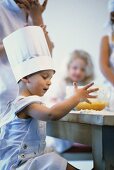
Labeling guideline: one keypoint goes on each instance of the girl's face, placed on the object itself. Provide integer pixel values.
(77, 70)
(39, 83)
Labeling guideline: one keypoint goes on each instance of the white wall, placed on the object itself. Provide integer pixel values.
(76, 24)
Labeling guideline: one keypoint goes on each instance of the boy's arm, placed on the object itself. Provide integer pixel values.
(59, 110)
(41, 112)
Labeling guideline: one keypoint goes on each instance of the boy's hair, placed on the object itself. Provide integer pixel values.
(81, 54)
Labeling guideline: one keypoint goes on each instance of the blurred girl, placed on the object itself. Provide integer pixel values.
(79, 69)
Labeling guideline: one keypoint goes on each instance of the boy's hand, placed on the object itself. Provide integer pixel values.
(84, 93)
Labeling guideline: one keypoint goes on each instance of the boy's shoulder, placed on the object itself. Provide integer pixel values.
(17, 106)
(22, 101)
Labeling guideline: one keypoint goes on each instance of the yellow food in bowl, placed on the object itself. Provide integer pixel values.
(93, 106)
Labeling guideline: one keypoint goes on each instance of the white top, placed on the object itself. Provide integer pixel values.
(13, 18)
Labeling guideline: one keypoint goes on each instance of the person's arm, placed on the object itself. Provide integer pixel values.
(36, 14)
(59, 110)
(49, 42)
(104, 60)
(35, 10)
(2, 50)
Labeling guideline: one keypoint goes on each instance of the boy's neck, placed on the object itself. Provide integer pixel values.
(23, 91)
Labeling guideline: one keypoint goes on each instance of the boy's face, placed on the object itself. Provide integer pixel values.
(39, 83)
(77, 70)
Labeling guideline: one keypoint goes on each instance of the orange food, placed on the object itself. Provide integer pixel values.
(93, 106)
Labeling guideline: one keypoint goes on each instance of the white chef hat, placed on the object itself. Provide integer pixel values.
(111, 6)
(27, 51)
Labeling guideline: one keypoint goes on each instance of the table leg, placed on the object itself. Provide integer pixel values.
(103, 147)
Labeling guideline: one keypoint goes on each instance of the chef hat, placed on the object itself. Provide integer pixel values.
(111, 6)
(27, 51)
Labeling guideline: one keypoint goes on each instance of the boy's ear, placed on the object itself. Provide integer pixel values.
(25, 80)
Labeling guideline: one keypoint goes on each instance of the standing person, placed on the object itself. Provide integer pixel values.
(23, 130)
(16, 14)
(107, 54)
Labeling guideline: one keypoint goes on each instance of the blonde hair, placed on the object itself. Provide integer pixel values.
(81, 54)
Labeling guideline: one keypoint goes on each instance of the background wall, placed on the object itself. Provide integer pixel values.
(76, 24)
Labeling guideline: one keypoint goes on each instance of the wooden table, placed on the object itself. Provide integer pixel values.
(95, 128)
